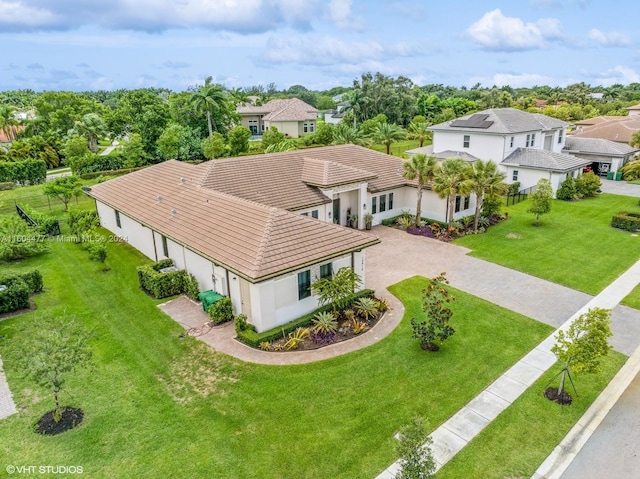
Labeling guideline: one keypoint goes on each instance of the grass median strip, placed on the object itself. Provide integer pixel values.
(520, 438)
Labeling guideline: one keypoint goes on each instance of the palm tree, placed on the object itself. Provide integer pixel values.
(421, 168)
(387, 133)
(632, 169)
(208, 98)
(240, 96)
(486, 180)
(8, 121)
(357, 100)
(418, 131)
(343, 134)
(450, 180)
(92, 126)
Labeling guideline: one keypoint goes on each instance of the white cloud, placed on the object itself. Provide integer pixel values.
(494, 31)
(326, 50)
(609, 39)
(521, 80)
(20, 15)
(619, 74)
(157, 15)
(341, 15)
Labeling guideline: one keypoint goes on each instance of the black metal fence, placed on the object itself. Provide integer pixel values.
(35, 202)
(521, 195)
(47, 226)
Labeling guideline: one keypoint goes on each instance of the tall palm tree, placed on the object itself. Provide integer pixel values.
(422, 168)
(450, 180)
(357, 100)
(93, 127)
(486, 180)
(418, 131)
(387, 133)
(343, 134)
(208, 98)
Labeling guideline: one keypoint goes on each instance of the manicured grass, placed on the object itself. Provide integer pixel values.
(518, 441)
(33, 197)
(157, 405)
(633, 299)
(398, 149)
(574, 244)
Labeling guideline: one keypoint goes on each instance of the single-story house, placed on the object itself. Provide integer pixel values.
(260, 229)
(293, 117)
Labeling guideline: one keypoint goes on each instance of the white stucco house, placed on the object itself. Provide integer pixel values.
(526, 146)
(260, 229)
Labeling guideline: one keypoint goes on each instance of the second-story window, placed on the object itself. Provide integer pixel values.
(466, 141)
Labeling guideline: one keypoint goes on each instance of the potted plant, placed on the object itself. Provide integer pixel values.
(354, 221)
(368, 220)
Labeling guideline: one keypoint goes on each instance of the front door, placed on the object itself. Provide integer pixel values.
(245, 297)
(336, 210)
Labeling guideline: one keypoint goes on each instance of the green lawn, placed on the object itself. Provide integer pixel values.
(34, 197)
(157, 405)
(633, 299)
(574, 246)
(398, 149)
(520, 439)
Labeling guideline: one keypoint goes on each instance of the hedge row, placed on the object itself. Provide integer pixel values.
(18, 288)
(26, 171)
(123, 171)
(45, 225)
(254, 339)
(162, 285)
(626, 220)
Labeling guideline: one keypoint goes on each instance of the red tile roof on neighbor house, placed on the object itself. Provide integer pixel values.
(291, 109)
(4, 138)
(253, 240)
(617, 129)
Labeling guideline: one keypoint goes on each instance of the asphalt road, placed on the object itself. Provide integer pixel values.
(613, 451)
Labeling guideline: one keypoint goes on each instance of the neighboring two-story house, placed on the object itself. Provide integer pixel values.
(526, 146)
(293, 117)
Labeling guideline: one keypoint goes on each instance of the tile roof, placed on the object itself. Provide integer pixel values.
(325, 173)
(597, 146)
(544, 160)
(596, 120)
(506, 121)
(619, 130)
(253, 240)
(443, 155)
(291, 109)
(276, 179)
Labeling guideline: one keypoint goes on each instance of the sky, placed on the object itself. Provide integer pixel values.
(82, 45)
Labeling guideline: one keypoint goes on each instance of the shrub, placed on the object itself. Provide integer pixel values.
(366, 307)
(46, 225)
(98, 251)
(627, 221)
(191, 287)
(8, 185)
(491, 206)
(15, 296)
(587, 185)
(241, 324)
(514, 188)
(162, 285)
(253, 339)
(81, 221)
(325, 323)
(265, 345)
(19, 240)
(23, 172)
(567, 190)
(435, 300)
(296, 337)
(33, 280)
(221, 311)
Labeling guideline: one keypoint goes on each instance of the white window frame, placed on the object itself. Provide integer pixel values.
(466, 141)
(514, 176)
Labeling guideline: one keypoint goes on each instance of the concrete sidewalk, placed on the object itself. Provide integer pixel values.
(467, 423)
(7, 406)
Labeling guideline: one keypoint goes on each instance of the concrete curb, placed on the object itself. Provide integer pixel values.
(559, 460)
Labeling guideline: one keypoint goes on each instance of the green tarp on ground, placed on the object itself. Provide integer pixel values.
(208, 298)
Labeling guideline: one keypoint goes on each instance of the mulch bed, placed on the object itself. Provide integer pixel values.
(344, 333)
(70, 418)
(18, 312)
(563, 399)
